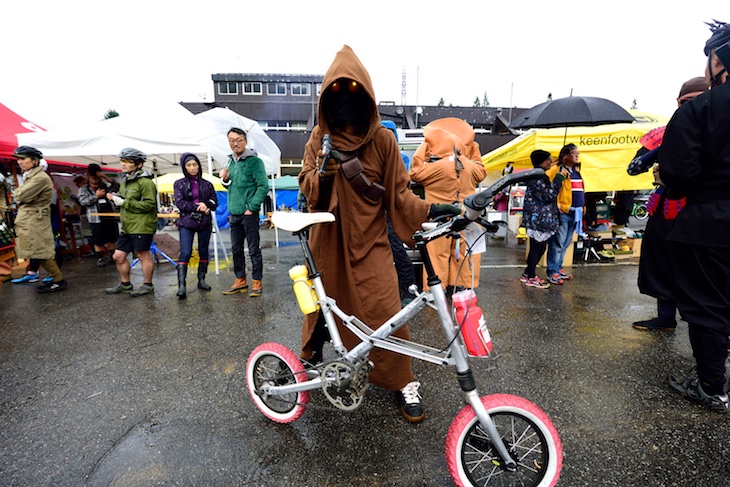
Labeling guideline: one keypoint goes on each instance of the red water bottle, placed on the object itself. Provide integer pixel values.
(470, 319)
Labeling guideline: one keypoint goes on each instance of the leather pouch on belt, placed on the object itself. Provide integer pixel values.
(353, 171)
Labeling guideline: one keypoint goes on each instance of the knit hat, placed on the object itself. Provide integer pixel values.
(188, 156)
(538, 157)
(692, 86)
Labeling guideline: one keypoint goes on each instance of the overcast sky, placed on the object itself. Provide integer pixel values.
(66, 63)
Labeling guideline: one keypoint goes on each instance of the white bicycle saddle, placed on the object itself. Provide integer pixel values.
(295, 221)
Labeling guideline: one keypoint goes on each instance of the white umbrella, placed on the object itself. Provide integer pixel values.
(211, 131)
(212, 128)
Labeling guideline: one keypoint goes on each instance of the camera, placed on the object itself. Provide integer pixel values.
(197, 216)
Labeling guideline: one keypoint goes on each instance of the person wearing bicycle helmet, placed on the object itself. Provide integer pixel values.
(33, 228)
(353, 169)
(694, 162)
(137, 203)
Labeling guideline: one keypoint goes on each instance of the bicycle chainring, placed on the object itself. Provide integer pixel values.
(345, 384)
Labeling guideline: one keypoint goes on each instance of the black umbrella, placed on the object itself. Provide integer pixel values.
(573, 111)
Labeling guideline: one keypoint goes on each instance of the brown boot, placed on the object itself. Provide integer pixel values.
(256, 288)
(239, 286)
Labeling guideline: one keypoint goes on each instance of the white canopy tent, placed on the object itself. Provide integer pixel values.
(162, 135)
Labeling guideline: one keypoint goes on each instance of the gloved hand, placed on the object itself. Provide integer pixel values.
(441, 209)
(118, 200)
(332, 162)
(562, 175)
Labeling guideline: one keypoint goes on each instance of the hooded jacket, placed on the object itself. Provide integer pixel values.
(138, 213)
(249, 185)
(446, 180)
(185, 201)
(352, 252)
(34, 235)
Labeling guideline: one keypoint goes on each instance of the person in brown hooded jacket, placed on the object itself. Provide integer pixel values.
(350, 252)
(448, 179)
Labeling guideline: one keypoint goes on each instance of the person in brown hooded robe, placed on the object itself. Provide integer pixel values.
(353, 252)
(448, 180)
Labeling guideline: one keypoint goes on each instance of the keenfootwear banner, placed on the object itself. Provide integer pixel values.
(605, 152)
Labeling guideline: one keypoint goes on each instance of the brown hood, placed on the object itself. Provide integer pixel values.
(347, 65)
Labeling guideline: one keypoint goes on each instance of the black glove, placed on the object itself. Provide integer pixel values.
(437, 210)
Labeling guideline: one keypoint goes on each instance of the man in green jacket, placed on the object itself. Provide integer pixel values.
(245, 176)
(137, 203)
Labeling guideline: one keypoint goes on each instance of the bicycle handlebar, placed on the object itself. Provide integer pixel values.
(476, 203)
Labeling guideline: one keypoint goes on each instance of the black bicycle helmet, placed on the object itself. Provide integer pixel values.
(28, 151)
(133, 154)
(720, 35)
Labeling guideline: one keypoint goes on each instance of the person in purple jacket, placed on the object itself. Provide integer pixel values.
(196, 201)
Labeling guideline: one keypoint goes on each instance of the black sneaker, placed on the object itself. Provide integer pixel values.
(101, 262)
(692, 389)
(654, 324)
(409, 401)
(52, 287)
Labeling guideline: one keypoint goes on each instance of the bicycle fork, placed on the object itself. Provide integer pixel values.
(466, 377)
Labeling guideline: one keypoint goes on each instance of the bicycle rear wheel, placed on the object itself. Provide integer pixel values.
(527, 432)
(640, 213)
(274, 364)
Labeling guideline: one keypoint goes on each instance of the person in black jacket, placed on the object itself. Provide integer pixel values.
(694, 162)
(196, 200)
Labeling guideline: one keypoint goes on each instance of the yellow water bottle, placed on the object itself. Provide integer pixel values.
(303, 290)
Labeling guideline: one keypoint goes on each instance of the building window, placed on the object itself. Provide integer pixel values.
(252, 88)
(301, 89)
(276, 88)
(319, 89)
(227, 88)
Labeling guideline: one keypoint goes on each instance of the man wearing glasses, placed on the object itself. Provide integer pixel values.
(245, 177)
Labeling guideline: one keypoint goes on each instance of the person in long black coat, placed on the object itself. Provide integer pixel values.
(694, 161)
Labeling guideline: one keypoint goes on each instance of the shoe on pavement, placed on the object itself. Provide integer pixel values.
(29, 278)
(257, 288)
(47, 279)
(409, 401)
(143, 289)
(119, 288)
(536, 282)
(564, 275)
(524, 278)
(239, 286)
(51, 287)
(654, 324)
(101, 262)
(555, 279)
(692, 390)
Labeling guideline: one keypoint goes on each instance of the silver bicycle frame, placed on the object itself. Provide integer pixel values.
(455, 354)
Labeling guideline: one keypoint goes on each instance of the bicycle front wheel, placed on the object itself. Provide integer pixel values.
(528, 434)
(640, 213)
(276, 365)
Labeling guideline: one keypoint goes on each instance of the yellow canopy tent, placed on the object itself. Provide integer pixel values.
(605, 152)
(165, 184)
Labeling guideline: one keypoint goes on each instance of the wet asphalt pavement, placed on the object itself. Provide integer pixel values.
(105, 390)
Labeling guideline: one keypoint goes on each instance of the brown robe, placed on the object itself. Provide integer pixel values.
(443, 184)
(353, 253)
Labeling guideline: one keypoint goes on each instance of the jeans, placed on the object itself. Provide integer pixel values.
(403, 265)
(246, 227)
(186, 243)
(558, 243)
